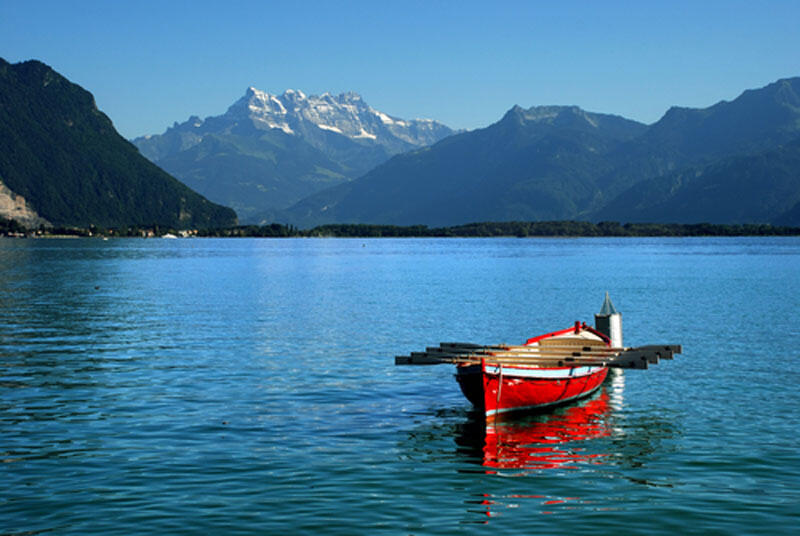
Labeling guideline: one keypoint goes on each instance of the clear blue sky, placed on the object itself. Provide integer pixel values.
(150, 63)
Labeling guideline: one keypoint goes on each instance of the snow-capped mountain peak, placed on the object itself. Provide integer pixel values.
(346, 114)
(267, 152)
(341, 134)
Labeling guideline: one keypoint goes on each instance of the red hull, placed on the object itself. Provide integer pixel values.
(496, 390)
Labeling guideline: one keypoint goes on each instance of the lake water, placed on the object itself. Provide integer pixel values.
(237, 386)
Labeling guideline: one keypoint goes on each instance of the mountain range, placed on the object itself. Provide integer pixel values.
(535, 164)
(63, 163)
(733, 162)
(315, 160)
(269, 151)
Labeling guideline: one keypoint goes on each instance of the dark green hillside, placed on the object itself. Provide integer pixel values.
(759, 188)
(536, 164)
(791, 217)
(65, 157)
(757, 120)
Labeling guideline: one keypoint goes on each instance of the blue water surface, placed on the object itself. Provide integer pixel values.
(248, 386)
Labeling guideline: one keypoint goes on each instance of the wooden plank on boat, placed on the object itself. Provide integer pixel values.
(665, 351)
(466, 353)
(418, 358)
(427, 359)
(574, 351)
(524, 351)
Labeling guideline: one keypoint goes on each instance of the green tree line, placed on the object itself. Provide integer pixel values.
(485, 229)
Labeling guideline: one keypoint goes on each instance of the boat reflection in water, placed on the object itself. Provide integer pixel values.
(554, 440)
(564, 439)
(544, 443)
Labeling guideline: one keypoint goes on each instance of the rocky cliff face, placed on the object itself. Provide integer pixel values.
(15, 207)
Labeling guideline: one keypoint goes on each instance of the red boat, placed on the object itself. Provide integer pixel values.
(547, 370)
(501, 388)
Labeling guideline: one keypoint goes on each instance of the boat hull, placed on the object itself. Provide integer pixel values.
(497, 389)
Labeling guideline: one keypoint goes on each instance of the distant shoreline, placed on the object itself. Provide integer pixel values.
(551, 229)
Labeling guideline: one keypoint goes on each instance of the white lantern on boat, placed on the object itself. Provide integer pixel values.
(609, 322)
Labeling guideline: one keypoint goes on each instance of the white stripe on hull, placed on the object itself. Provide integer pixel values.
(547, 373)
(557, 402)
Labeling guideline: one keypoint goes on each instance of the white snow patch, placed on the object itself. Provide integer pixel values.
(281, 108)
(328, 127)
(259, 95)
(322, 108)
(300, 95)
(365, 134)
(272, 124)
(385, 118)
